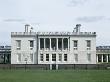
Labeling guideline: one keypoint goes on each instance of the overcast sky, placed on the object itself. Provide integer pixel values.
(55, 15)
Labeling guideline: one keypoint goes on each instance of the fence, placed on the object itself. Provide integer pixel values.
(84, 66)
(60, 66)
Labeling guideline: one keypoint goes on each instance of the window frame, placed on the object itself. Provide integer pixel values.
(65, 57)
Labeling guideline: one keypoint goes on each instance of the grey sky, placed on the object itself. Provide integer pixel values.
(55, 15)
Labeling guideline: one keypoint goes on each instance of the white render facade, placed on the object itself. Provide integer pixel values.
(53, 47)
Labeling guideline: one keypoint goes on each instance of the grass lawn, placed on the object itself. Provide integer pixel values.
(55, 76)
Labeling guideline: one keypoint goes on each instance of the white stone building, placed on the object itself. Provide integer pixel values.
(53, 47)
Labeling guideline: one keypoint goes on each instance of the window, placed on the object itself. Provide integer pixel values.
(65, 57)
(41, 57)
(47, 57)
(60, 57)
(89, 57)
(53, 57)
(88, 43)
(18, 43)
(76, 57)
(75, 43)
(31, 44)
(31, 57)
(18, 57)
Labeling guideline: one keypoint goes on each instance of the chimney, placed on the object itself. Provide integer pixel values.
(26, 27)
(77, 28)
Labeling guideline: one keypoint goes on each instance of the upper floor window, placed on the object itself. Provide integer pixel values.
(88, 43)
(75, 43)
(18, 44)
(31, 43)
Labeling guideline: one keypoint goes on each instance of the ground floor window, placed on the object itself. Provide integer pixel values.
(53, 57)
(60, 57)
(65, 57)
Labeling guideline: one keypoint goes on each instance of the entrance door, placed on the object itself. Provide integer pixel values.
(53, 66)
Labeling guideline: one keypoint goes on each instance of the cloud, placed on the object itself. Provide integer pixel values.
(13, 20)
(91, 18)
(77, 2)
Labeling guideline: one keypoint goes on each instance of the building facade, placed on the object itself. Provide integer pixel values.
(103, 54)
(5, 54)
(53, 48)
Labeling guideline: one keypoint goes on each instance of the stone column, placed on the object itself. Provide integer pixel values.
(57, 43)
(107, 57)
(68, 43)
(97, 58)
(62, 44)
(39, 43)
(50, 43)
(62, 57)
(44, 43)
(102, 58)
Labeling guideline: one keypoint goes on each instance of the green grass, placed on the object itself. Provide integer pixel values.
(55, 76)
